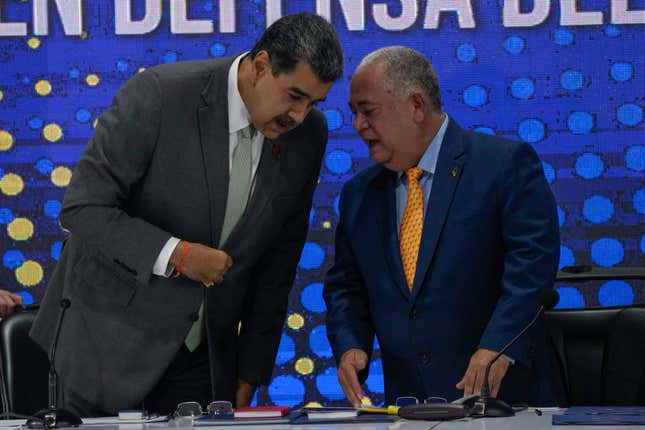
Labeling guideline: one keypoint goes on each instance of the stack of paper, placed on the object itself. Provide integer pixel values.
(338, 415)
(329, 413)
(262, 412)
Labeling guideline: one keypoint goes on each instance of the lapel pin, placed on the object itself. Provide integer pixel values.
(454, 172)
(275, 148)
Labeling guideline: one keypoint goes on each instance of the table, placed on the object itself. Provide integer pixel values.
(526, 420)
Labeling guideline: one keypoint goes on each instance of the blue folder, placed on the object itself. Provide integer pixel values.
(294, 418)
(301, 418)
(601, 416)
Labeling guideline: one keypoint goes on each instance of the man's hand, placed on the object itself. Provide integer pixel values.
(201, 263)
(8, 303)
(352, 361)
(473, 379)
(244, 393)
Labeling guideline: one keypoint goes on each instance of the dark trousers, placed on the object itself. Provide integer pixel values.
(187, 378)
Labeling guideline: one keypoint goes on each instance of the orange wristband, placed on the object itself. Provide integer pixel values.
(184, 252)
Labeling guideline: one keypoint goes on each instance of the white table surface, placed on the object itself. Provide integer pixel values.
(526, 420)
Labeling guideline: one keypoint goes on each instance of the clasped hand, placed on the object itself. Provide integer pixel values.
(202, 263)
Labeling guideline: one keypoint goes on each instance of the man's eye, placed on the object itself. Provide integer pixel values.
(295, 97)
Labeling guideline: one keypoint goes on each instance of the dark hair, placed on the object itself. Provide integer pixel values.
(303, 36)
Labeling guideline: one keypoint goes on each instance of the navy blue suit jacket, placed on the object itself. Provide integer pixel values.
(490, 243)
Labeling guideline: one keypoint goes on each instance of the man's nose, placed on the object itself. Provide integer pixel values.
(297, 114)
(359, 122)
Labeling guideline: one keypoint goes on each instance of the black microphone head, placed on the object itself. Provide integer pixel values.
(549, 298)
(65, 303)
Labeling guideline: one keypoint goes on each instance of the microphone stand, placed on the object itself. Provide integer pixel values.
(485, 405)
(54, 417)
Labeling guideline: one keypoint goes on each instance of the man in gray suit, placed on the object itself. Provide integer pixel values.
(200, 173)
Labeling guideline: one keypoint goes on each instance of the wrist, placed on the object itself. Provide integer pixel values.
(182, 258)
(351, 351)
(243, 383)
(175, 257)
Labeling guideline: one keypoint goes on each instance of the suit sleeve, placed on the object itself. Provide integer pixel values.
(116, 158)
(348, 317)
(271, 282)
(531, 242)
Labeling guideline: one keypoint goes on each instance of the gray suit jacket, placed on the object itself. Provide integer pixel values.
(157, 166)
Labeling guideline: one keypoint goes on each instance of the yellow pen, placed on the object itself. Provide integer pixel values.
(390, 410)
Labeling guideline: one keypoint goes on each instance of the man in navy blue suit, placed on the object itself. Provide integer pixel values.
(442, 248)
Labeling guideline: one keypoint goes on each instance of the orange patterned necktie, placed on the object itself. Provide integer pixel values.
(412, 225)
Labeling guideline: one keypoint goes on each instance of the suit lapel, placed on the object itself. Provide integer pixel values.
(386, 210)
(213, 131)
(444, 183)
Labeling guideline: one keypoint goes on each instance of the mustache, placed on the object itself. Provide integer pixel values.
(286, 120)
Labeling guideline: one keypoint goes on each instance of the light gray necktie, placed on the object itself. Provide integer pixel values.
(239, 184)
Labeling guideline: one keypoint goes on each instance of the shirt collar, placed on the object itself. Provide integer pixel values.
(428, 162)
(238, 115)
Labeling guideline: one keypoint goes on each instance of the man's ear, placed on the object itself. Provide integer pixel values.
(261, 64)
(420, 107)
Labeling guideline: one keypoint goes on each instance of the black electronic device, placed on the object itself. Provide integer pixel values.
(434, 411)
(53, 416)
(486, 406)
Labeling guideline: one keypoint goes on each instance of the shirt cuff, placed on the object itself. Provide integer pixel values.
(161, 266)
(510, 360)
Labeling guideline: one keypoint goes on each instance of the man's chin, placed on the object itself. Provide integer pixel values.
(379, 157)
(390, 166)
(270, 132)
(273, 131)
(386, 162)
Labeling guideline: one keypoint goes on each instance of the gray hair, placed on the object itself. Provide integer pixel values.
(408, 71)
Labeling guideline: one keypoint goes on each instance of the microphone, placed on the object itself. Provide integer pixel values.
(54, 417)
(486, 406)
